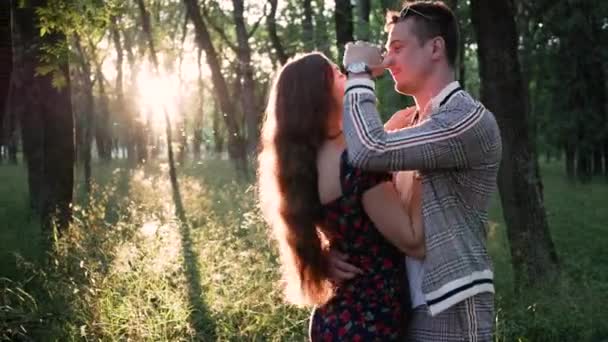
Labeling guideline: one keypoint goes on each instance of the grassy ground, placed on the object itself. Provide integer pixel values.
(131, 269)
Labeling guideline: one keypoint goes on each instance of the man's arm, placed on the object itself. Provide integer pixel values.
(445, 140)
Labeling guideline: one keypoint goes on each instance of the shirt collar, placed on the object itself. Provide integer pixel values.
(436, 101)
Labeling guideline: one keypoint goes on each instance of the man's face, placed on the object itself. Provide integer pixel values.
(409, 60)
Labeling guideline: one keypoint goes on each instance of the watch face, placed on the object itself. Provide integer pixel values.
(356, 68)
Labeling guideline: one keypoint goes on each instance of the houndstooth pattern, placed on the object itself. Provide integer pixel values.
(471, 320)
(457, 151)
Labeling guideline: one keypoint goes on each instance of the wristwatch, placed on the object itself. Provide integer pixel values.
(358, 68)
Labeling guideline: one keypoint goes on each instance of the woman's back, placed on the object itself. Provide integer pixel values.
(370, 305)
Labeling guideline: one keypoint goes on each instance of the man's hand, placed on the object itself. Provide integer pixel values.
(339, 269)
(364, 52)
(400, 119)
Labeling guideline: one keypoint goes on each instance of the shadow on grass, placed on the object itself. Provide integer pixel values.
(200, 317)
(42, 301)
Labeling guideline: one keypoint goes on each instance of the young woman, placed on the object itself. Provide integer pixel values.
(313, 199)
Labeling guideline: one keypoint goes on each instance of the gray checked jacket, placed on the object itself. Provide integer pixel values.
(457, 151)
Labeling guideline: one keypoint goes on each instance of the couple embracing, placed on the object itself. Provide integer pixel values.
(383, 227)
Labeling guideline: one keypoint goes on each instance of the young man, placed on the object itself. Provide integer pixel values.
(456, 150)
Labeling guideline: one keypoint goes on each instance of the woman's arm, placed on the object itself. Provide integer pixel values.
(384, 207)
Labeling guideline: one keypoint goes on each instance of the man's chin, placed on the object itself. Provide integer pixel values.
(402, 89)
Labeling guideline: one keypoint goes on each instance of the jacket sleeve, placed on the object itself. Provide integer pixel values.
(447, 139)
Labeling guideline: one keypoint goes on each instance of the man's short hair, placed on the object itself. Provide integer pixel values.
(432, 19)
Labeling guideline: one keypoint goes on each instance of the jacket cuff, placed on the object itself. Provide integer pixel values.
(360, 85)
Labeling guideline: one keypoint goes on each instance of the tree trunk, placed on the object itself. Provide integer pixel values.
(199, 120)
(583, 165)
(271, 26)
(6, 65)
(103, 136)
(12, 118)
(47, 125)
(87, 120)
(453, 5)
(363, 12)
(138, 138)
(532, 250)
(344, 25)
(31, 124)
(126, 115)
(597, 90)
(147, 27)
(606, 157)
(462, 76)
(13, 141)
(570, 161)
(462, 56)
(308, 35)
(598, 168)
(248, 102)
(236, 144)
(218, 137)
(322, 32)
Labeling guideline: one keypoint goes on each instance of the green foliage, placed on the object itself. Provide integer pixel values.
(563, 54)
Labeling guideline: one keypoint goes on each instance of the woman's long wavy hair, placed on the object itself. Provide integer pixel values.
(296, 125)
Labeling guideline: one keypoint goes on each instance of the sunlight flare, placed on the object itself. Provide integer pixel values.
(155, 93)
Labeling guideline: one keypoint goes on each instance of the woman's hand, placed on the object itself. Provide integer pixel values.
(401, 119)
(339, 268)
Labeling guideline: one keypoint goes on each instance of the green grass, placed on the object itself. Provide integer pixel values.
(130, 269)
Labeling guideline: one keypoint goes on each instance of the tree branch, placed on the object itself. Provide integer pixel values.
(218, 30)
(257, 23)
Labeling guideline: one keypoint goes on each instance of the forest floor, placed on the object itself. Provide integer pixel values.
(132, 267)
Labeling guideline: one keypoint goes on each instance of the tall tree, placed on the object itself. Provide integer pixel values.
(138, 139)
(103, 134)
(248, 103)
(6, 66)
(121, 111)
(147, 27)
(47, 124)
(364, 8)
(462, 23)
(271, 26)
(308, 34)
(236, 144)
(197, 140)
(323, 35)
(532, 250)
(343, 17)
(11, 132)
(87, 117)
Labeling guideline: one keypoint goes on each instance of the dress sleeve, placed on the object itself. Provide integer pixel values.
(357, 181)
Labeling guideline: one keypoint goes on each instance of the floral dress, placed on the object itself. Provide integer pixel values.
(368, 307)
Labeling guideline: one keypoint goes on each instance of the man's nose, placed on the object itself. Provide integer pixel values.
(388, 61)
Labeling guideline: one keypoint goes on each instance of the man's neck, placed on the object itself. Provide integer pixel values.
(432, 88)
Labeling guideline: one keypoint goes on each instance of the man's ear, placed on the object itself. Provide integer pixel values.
(438, 45)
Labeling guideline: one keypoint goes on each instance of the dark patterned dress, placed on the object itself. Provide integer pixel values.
(370, 306)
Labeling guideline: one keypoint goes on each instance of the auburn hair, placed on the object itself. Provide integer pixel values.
(299, 108)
